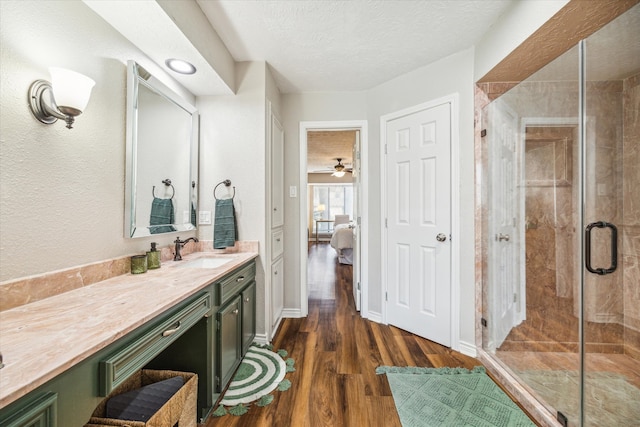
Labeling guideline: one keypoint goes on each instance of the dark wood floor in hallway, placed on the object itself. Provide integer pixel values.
(336, 353)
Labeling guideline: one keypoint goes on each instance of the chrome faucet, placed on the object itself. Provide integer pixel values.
(179, 245)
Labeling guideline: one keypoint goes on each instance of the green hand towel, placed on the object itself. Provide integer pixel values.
(161, 216)
(225, 231)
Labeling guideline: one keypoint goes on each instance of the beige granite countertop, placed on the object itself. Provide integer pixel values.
(43, 339)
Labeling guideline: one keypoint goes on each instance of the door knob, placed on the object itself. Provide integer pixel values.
(441, 237)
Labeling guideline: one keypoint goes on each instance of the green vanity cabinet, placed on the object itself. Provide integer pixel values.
(235, 320)
(226, 334)
(207, 333)
(229, 346)
(68, 400)
(248, 316)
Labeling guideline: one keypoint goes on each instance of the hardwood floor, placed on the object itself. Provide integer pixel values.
(336, 353)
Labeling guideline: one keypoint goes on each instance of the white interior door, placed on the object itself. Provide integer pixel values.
(504, 218)
(418, 205)
(356, 220)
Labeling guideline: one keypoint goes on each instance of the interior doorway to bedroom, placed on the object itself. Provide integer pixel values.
(331, 209)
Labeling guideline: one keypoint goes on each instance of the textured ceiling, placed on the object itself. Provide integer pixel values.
(324, 148)
(337, 45)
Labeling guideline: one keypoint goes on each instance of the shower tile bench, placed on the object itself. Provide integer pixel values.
(63, 354)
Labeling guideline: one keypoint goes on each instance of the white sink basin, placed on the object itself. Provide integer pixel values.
(212, 262)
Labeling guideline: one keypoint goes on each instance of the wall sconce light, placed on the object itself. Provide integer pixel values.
(64, 98)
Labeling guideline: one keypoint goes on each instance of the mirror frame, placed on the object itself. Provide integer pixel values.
(136, 76)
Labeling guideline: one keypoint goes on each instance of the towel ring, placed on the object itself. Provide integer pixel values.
(167, 183)
(227, 183)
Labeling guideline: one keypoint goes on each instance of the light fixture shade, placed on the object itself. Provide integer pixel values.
(339, 174)
(71, 90)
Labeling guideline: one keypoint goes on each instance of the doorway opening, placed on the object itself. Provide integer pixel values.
(333, 190)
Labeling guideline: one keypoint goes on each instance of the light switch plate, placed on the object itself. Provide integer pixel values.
(293, 191)
(204, 217)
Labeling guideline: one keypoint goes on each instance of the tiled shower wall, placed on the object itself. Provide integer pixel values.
(612, 299)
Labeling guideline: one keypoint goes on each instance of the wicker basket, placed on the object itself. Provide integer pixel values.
(179, 410)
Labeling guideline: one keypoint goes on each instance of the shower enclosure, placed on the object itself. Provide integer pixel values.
(561, 293)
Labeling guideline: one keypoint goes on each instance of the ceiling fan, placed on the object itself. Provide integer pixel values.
(340, 169)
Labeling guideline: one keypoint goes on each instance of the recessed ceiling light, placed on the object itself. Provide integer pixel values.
(180, 66)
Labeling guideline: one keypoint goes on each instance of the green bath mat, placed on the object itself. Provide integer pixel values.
(261, 372)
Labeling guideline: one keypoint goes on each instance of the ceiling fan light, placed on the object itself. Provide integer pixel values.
(339, 173)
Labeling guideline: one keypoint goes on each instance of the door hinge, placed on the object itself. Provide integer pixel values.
(358, 286)
(385, 148)
(217, 381)
(358, 221)
(515, 297)
(386, 296)
(483, 133)
(483, 322)
(562, 418)
(386, 224)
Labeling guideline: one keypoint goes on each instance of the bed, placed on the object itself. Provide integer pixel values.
(342, 242)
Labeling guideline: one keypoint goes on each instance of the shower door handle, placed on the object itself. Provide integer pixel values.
(614, 247)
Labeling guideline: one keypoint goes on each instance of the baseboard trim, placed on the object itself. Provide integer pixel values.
(274, 331)
(261, 339)
(292, 313)
(468, 349)
(374, 317)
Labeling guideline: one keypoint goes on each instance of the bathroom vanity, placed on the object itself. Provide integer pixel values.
(65, 353)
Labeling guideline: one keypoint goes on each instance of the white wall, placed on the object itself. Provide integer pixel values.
(295, 109)
(232, 146)
(62, 190)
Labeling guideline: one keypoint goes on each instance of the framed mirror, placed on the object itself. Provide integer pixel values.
(161, 158)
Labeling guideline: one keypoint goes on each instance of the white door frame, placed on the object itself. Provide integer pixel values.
(305, 127)
(455, 207)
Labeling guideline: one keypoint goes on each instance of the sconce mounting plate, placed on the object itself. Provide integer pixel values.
(37, 93)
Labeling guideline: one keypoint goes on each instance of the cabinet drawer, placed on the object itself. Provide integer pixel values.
(142, 350)
(39, 412)
(229, 286)
(277, 244)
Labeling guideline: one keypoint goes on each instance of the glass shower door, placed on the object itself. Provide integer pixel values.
(533, 278)
(611, 221)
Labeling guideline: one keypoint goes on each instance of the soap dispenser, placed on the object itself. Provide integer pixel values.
(153, 257)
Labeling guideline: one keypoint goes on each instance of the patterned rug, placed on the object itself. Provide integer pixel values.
(432, 397)
(261, 372)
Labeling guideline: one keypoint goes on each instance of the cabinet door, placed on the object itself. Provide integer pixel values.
(277, 291)
(248, 316)
(229, 344)
(277, 173)
(41, 412)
